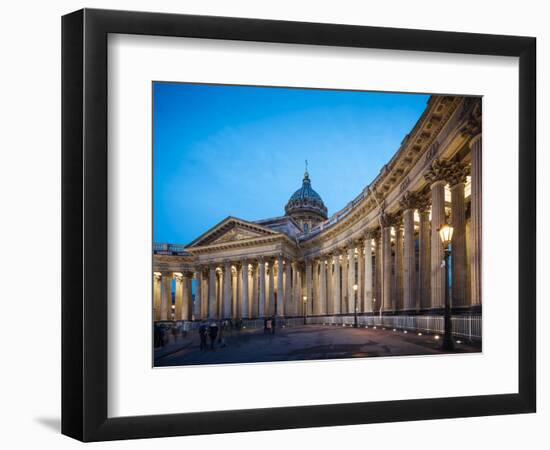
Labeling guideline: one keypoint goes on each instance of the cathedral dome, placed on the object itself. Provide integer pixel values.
(306, 206)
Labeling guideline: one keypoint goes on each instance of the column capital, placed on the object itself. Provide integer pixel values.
(410, 200)
(439, 171)
(458, 173)
(472, 126)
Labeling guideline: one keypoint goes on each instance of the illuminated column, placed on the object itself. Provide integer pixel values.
(234, 291)
(166, 296)
(309, 287)
(178, 312)
(261, 288)
(197, 306)
(271, 303)
(295, 290)
(244, 306)
(368, 281)
(345, 282)
(187, 300)
(351, 277)
(378, 299)
(255, 289)
(156, 296)
(289, 302)
(360, 276)
(322, 303)
(280, 307)
(336, 299)
(212, 304)
(475, 239)
(409, 263)
(226, 299)
(386, 270)
(315, 284)
(424, 288)
(330, 285)
(458, 221)
(252, 290)
(399, 266)
(436, 177)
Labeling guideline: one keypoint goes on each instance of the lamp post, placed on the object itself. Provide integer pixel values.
(446, 235)
(355, 287)
(305, 309)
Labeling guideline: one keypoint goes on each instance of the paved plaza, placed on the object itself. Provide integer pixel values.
(308, 342)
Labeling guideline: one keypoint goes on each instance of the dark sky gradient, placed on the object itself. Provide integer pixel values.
(240, 151)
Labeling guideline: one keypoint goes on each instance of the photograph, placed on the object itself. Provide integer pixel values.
(295, 224)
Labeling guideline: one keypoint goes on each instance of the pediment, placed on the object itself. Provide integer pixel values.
(237, 234)
(231, 230)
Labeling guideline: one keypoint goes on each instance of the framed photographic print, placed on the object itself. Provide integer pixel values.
(273, 224)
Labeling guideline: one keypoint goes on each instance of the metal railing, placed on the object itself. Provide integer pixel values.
(467, 326)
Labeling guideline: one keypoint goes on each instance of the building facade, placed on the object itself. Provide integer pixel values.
(381, 254)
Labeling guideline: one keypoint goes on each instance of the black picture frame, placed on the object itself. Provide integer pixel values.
(84, 224)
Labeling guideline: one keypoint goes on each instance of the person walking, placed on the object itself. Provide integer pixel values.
(203, 334)
(212, 334)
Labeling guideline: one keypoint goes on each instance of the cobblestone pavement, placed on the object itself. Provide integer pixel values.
(306, 342)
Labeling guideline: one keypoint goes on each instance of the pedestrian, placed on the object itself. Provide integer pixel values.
(203, 333)
(273, 325)
(268, 326)
(212, 334)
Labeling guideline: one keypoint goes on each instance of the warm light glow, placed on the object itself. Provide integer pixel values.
(419, 334)
(436, 337)
(158, 274)
(394, 329)
(446, 234)
(459, 342)
(355, 287)
(304, 298)
(173, 306)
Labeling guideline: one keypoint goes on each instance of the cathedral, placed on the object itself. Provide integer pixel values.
(380, 255)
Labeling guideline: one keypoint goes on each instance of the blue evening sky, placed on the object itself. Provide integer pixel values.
(240, 151)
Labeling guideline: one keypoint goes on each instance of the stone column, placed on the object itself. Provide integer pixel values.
(322, 303)
(280, 307)
(261, 288)
(409, 262)
(197, 305)
(255, 295)
(436, 176)
(336, 289)
(289, 303)
(296, 299)
(378, 300)
(309, 287)
(399, 266)
(271, 297)
(345, 282)
(226, 299)
(156, 296)
(423, 300)
(438, 219)
(351, 277)
(212, 297)
(386, 271)
(244, 308)
(187, 296)
(368, 280)
(178, 312)
(360, 276)
(475, 232)
(166, 296)
(458, 222)
(330, 281)
(234, 292)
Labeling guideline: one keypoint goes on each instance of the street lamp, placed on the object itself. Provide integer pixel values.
(305, 309)
(355, 287)
(446, 235)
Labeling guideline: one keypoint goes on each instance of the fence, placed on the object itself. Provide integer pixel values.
(466, 326)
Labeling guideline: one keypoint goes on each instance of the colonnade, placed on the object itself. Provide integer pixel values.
(394, 266)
